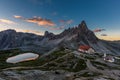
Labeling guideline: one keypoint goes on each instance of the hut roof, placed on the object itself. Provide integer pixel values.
(84, 47)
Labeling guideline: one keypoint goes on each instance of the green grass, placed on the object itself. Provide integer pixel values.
(81, 65)
(60, 60)
(4, 54)
(9, 53)
(37, 64)
(89, 57)
(100, 65)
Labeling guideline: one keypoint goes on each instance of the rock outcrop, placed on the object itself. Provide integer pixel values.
(71, 38)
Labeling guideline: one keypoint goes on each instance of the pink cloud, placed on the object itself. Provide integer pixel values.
(18, 17)
(44, 22)
(6, 21)
(66, 21)
(98, 30)
(41, 21)
(38, 20)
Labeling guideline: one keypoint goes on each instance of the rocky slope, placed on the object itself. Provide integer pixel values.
(62, 64)
(61, 60)
(70, 38)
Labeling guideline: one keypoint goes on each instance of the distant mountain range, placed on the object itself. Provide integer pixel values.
(70, 38)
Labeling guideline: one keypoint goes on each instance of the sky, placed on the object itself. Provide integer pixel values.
(38, 16)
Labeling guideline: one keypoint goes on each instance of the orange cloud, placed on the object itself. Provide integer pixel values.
(98, 30)
(18, 17)
(6, 21)
(110, 37)
(41, 21)
(66, 21)
(38, 20)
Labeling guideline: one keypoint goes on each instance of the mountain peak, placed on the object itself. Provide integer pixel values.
(48, 34)
(83, 27)
(9, 30)
(83, 22)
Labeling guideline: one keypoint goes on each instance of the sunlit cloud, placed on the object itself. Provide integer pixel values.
(38, 20)
(98, 30)
(41, 21)
(66, 21)
(18, 17)
(111, 38)
(6, 21)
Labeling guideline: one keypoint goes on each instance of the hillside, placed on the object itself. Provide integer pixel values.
(71, 38)
(59, 56)
(61, 63)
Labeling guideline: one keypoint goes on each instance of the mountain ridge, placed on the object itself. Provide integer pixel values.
(71, 38)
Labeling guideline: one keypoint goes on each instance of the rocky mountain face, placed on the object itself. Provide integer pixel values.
(62, 60)
(10, 39)
(70, 38)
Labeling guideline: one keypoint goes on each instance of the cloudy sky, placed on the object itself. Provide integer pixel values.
(37, 16)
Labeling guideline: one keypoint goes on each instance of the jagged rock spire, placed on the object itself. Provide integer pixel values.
(83, 27)
(48, 34)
